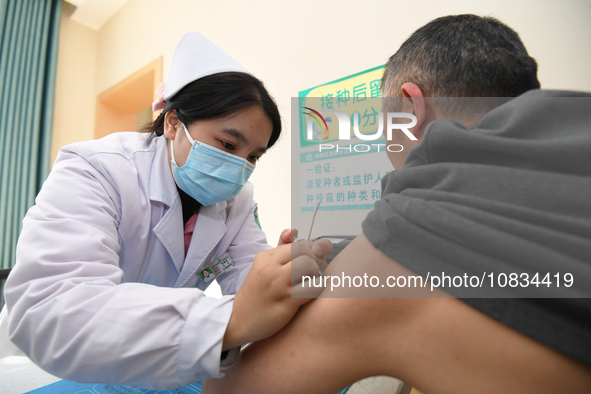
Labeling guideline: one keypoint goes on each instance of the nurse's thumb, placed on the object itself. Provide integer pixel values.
(321, 247)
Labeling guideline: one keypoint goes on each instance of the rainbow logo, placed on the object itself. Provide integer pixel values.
(318, 117)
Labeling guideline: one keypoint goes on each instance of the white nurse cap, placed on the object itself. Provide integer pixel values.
(196, 57)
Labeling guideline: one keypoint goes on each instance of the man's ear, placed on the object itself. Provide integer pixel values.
(414, 102)
(171, 122)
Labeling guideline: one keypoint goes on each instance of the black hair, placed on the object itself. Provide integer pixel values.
(218, 95)
(462, 56)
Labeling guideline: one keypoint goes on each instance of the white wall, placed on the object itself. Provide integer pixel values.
(294, 45)
(75, 91)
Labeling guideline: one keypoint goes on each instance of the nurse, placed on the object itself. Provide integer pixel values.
(109, 278)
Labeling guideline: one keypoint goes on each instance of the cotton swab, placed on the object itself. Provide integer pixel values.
(313, 218)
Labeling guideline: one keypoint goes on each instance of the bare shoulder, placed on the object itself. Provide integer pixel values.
(441, 344)
(437, 344)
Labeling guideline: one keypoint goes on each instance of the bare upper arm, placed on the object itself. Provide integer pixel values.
(437, 344)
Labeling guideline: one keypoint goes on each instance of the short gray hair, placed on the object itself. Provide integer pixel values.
(462, 56)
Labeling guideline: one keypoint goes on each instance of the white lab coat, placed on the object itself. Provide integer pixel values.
(102, 291)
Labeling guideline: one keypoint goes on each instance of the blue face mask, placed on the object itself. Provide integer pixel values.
(210, 175)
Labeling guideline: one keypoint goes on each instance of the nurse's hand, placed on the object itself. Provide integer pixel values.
(264, 303)
(287, 236)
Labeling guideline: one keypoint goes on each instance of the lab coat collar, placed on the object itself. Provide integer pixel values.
(210, 228)
(162, 185)
(210, 223)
